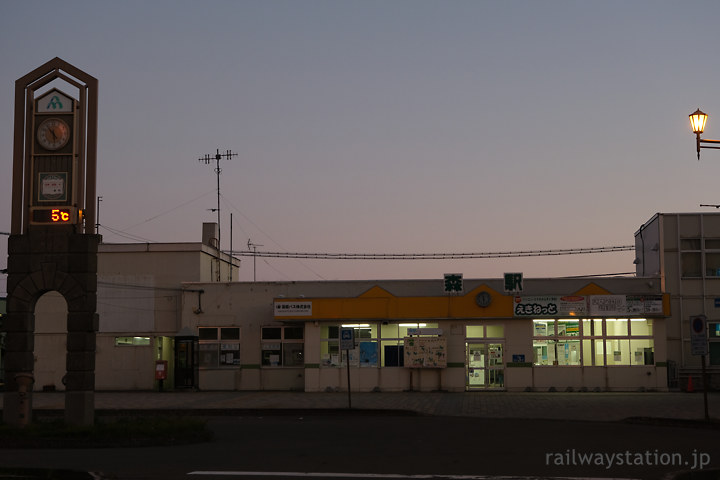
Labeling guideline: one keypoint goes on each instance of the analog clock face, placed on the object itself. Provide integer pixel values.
(53, 134)
(483, 299)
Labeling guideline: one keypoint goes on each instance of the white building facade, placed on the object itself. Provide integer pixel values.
(559, 334)
(181, 304)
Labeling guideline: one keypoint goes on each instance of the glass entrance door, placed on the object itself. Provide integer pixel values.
(476, 365)
(485, 366)
(186, 362)
(496, 372)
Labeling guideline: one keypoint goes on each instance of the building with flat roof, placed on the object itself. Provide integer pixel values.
(139, 307)
(175, 311)
(557, 334)
(682, 250)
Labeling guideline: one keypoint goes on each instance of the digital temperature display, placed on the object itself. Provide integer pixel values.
(55, 216)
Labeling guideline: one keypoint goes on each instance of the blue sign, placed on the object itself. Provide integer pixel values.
(347, 339)
(698, 336)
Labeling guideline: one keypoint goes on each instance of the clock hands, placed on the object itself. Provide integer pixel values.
(53, 134)
(52, 130)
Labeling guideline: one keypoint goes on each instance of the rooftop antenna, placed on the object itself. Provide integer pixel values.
(208, 159)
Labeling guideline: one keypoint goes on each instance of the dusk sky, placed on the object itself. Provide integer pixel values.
(389, 126)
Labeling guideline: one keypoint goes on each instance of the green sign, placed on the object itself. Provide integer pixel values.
(513, 283)
(453, 283)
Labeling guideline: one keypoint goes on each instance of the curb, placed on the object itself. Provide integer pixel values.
(234, 412)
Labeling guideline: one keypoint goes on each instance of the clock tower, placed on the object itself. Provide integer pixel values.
(54, 160)
(52, 245)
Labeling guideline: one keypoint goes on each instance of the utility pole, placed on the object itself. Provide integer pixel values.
(253, 247)
(207, 159)
(231, 250)
(97, 215)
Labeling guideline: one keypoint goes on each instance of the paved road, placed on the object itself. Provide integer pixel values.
(368, 446)
(476, 434)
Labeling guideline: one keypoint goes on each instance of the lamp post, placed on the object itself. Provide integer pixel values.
(697, 123)
(698, 120)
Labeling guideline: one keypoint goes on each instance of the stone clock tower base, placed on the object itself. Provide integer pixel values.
(52, 245)
(51, 258)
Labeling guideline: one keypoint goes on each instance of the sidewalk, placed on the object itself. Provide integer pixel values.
(603, 406)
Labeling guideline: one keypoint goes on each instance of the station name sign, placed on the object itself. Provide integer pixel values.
(293, 309)
(424, 331)
(592, 305)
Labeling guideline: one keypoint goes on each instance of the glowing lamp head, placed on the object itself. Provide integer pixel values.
(697, 121)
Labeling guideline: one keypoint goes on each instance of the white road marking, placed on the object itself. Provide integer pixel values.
(391, 475)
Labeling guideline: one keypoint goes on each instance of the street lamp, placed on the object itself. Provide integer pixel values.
(698, 120)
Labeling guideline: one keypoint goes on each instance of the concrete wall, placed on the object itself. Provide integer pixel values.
(124, 367)
(689, 295)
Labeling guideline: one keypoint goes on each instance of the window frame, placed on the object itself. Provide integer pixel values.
(713, 328)
(557, 336)
(594, 347)
(362, 357)
(287, 357)
(219, 347)
(695, 254)
(134, 341)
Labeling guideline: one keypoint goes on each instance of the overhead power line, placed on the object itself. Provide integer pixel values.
(127, 235)
(169, 210)
(434, 256)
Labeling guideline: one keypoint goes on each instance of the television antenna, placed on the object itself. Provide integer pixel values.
(208, 159)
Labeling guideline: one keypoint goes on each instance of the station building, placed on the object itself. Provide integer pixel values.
(139, 304)
(605, 334)
(180, 303)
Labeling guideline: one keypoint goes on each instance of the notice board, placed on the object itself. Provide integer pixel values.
(425, 352)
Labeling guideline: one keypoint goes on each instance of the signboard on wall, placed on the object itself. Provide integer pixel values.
(425, 352)
(592, 305)
(550, 306)
(608, 305)
(293, 309)
(645, 305)
(424, 331)
(621, 305)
